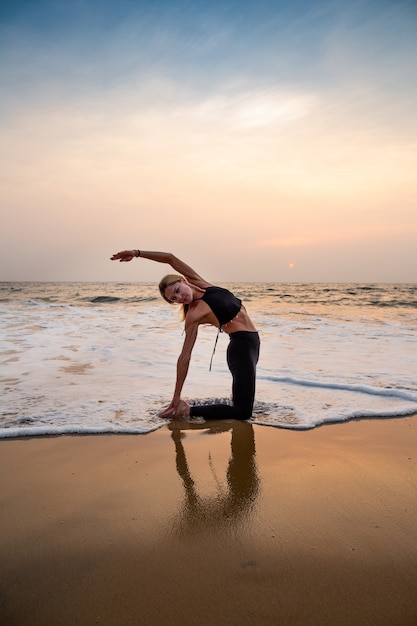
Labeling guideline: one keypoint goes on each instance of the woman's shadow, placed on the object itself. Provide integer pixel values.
(233, 501)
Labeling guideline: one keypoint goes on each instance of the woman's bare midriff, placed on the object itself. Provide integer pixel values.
(242, 321)
(205, 315)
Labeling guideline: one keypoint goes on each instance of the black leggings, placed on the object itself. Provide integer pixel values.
(242, 357)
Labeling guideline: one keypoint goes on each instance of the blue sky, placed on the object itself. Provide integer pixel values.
(282, 135)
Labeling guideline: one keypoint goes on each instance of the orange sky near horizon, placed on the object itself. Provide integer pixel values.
(275, 178)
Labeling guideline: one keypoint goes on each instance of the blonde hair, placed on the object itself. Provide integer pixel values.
(166, 281)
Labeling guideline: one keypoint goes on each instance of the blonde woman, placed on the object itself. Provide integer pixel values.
(204, 303)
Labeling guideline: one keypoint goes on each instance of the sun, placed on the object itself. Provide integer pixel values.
(291, 265)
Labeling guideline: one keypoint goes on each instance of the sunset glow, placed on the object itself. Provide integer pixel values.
(233, 135)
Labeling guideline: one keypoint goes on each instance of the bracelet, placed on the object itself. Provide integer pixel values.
(137, 252)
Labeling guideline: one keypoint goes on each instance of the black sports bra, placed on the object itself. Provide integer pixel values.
(223, 303)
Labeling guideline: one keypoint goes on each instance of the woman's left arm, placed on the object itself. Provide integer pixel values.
(163, 257)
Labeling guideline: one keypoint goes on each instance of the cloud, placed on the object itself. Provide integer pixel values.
(252, 109)
(286, 124)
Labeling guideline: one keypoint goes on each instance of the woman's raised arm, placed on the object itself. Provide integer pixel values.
(163, 257)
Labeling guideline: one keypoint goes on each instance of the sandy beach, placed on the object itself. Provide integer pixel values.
(222, 523)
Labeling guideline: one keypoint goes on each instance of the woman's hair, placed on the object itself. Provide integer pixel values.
(166, 281)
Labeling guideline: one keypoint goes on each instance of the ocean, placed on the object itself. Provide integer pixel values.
(101, 357)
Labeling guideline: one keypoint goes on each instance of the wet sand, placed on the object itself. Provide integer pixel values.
(195, 526)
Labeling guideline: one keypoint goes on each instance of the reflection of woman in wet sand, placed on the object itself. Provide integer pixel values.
(224, 508)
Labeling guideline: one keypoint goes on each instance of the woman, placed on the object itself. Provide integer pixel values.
(204, 303)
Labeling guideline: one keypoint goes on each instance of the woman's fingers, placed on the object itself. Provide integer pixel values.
(168, 411)
(126, 255)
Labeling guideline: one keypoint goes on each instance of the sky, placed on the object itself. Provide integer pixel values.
(257, 140)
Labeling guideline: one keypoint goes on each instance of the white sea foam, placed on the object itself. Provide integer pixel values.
(100, 358)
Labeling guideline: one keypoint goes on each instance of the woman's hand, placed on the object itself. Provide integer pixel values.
(124, 256)
(176, 408)
(168, 411)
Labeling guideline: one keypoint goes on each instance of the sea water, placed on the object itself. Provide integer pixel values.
(101, 357)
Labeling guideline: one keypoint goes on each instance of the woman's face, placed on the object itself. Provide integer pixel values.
(179, 293)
